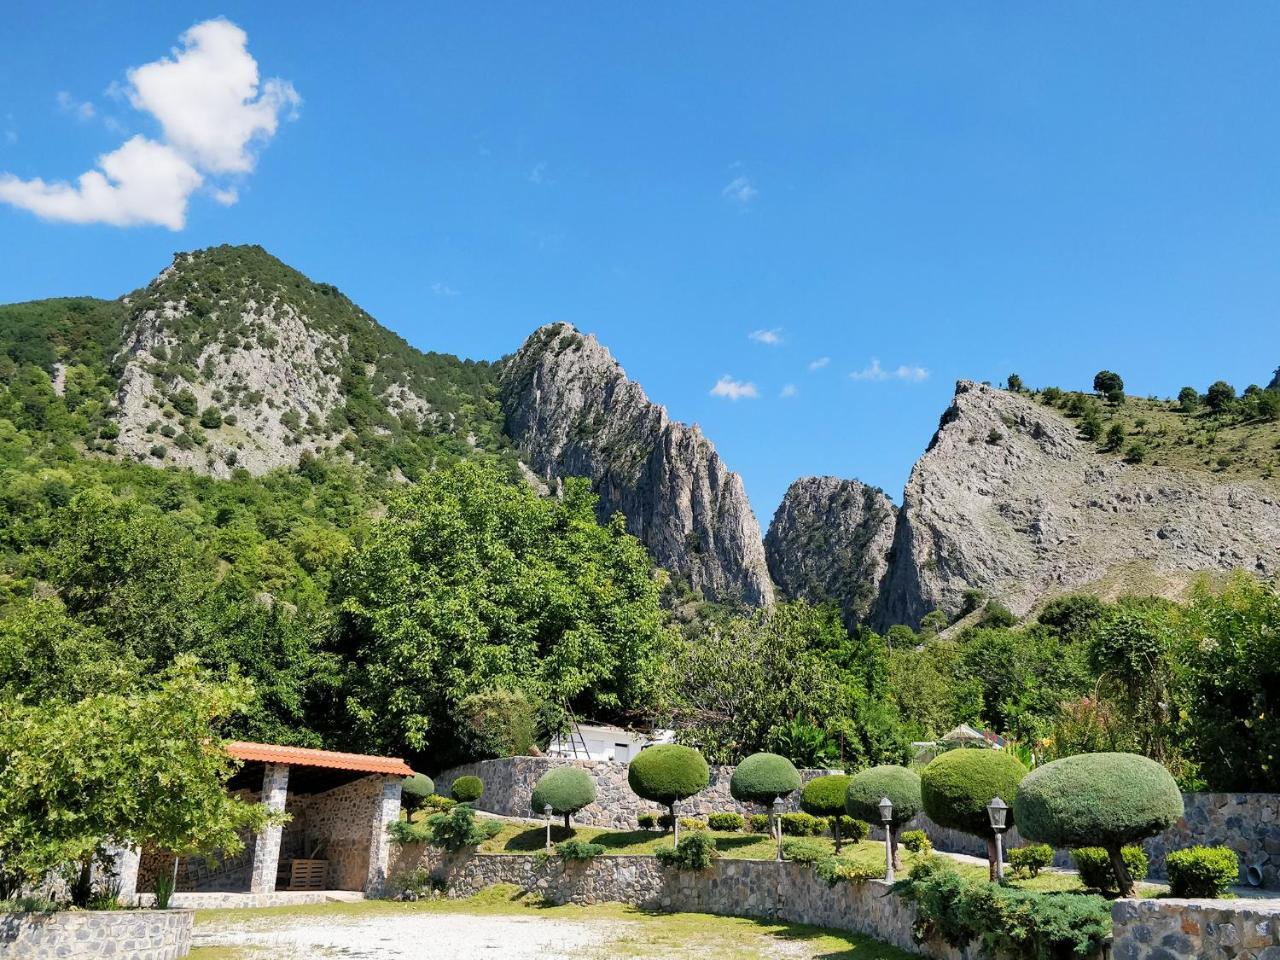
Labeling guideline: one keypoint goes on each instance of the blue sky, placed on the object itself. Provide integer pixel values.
(917, 193)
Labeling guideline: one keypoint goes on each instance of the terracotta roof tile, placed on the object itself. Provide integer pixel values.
(306, 757)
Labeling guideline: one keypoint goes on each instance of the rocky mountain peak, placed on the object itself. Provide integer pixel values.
(830, 540)
(572, 411)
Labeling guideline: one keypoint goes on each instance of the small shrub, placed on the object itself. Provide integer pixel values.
(851, 828)
(1094, 864)
(211, 418)
(163, 889)
(450, 831)
(467, 789)
(760, 822)
(1028, 861)
(917, 841)
(416, 885)
(805, 850)
(439, 804)
(803, 825)
(1202, 871)
(836, 869)
(692, 823)
(647, 821)
(578, 850)
(695, 851)
(666, 821)
(726, 822)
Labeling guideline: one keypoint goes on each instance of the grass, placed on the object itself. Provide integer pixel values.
(634, 933)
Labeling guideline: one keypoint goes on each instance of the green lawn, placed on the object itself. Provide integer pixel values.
(633, 933)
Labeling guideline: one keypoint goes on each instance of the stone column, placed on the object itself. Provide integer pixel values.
(124, 868)
(386, 811)
(266, 848)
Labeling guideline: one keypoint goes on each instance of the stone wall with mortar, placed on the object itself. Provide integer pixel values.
(738, 888)
(1205, 929)
(90, 934)
(339, 823)
(509, 782)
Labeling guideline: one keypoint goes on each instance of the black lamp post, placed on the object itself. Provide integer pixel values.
(886, 817)
(998, 812)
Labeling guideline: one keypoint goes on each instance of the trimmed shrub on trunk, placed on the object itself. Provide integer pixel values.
(415, 790)
(824, 797)
(1108, 800)
(566, 790)
(667, 774)
(763, 778)
(1201, 871)
(957, 786)
(868, 788)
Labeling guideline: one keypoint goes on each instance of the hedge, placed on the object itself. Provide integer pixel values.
(567, 790)
(763, 777)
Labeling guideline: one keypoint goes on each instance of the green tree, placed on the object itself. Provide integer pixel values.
(957, 786)
(900, 784)
(1115, 437)
(1110, 385)
(1014, 383)
(668, 773)
(1188, 399)
(473, 582)
(1220, 396)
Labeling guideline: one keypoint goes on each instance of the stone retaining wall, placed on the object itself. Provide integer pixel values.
(1205, 929)
(509, 782)
(89, 934)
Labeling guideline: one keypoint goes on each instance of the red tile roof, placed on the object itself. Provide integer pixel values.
(306, 757)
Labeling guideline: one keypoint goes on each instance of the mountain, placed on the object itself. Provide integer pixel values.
(571, 410)
(830, 540)
(1011, 500)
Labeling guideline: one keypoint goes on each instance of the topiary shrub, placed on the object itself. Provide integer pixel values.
(695, 851)
(415, 789)
(853, 829)
(868, 788)
(666, 821)
(803, 825)
(1201, 871)
(726, 822)
(1028, 861)
(824, 797)
(760, 822)
(805, 850)
(578, 850)
(1097, 872)
(917, 841)
(763, 778)
(566, 790)
(467, 789)
(647, 821)
(957, 786)
(667, 774)
(1099, 799)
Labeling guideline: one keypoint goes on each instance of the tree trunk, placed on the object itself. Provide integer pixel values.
(567, 828)
(835, 831)
(991, 859)
(1124, 882)
(893, 842)
(82, 888)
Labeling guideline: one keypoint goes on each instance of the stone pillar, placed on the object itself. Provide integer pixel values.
(124, 868)
(386, 811)
(266, 848)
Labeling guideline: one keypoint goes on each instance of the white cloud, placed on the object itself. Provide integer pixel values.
(788, 391)
(877, 373)
(772, 338)
(443, 290)
(740, 190)
(732, 389)
(81, 109)
(212, 111)
(819, 363)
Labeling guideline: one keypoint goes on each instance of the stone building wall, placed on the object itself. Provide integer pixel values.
(1205, 929)
(739, 888)
(509, 782)
(91, 934)
(340, 823)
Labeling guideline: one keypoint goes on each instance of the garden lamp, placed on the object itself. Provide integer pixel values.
(886, 817)
(998, 811)
(777, 823)
(547, 813)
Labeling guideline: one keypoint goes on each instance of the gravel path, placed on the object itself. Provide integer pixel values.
(410, 938)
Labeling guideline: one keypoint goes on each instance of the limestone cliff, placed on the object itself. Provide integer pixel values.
(1009, 500)
(830, 540)
(571, 411)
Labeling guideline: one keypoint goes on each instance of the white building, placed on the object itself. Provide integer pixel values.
(591, 741)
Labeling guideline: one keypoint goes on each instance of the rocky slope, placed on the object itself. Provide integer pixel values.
(1009, 500)
(571, 411)
(830, 540)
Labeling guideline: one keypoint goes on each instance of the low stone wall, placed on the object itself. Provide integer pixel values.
(508, 785)
(1206, 929)
(737, 888)
(89, 934)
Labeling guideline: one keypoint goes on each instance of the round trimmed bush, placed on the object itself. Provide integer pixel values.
(467, 789)
(762, 778)
(957, 786)
(415, 789)
(867, 788)
(566, 790)
(668, 773)
(1108, 800)
(824, 797)
(1202, 871)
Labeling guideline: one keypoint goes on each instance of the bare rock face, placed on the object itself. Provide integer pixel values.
(830, 540)
(571, 411)
(1010, 501)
